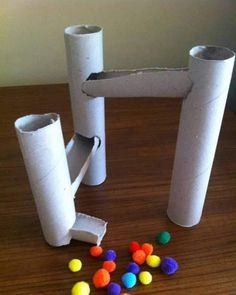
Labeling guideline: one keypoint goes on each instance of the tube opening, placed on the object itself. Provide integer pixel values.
(211, 53)
(33, 123)
(82, 30)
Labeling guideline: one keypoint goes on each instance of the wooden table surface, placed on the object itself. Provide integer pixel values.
(141, 136)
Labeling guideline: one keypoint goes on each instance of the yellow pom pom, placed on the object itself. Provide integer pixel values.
(75, 265)
(145, 277)
(80, 288)
(153, 260)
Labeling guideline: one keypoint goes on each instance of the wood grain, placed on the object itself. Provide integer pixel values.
(141, 136)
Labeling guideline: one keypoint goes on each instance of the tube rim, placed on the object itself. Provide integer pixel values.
(211, 53)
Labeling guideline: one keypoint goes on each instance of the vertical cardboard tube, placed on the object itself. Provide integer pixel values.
(42, 146)
(210, 69)
(84, 51)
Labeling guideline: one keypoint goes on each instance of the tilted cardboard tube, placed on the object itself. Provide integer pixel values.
(54, 181)
(84, 51)
(210, 69)
(43, 150)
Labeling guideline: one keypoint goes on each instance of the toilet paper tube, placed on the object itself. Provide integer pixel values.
(210, 69)
(54, 175)
(84, 52)
(43, 150)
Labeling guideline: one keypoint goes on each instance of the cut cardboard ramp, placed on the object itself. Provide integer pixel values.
(80, 151)
(158, 82)
(87, 228)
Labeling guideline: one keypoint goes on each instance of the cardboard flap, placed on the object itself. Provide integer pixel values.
(79, 152)
(157, 82)
(88, 229)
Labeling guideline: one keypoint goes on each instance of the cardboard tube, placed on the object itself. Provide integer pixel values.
(42, 146)
(159, 82)
(84, 51)
(210, 69)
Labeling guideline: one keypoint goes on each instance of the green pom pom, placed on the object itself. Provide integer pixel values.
(163, 238)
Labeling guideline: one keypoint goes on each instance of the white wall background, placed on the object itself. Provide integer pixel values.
(137, 33)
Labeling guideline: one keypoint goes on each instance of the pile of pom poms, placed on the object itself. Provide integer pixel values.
(140, 254)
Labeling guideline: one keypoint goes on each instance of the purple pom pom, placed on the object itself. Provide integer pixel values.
(110, 255)
(113, 289)
(169, 265)
(133, 267)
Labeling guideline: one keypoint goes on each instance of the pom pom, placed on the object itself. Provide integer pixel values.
(110, 255)
(147, 248)
(145, 277)
(110, 266)
(134, 246)
(163, 238)
(153, 261)
(113, 289)
(80, 288)
(75, 265)
(129, 280)
(169, 265)
(95, 251)
(101, 278)
(133, 267)
(139, 257)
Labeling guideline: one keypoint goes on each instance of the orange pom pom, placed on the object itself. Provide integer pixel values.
(95, 251)
(147, 248)
(110, 266)
(101, 278)
(139, 257)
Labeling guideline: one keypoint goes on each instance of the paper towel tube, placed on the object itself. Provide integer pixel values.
(43, 150)
(84, 51)
(210, 69)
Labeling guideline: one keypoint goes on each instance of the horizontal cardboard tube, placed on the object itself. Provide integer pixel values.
(157, 82)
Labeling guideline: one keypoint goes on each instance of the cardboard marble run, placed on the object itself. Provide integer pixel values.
(55, 172)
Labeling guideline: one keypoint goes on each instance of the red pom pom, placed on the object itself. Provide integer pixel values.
(139, 257)
(110, 266)
(101, 278)
(95, 251)
(134, 246)
(147, 248)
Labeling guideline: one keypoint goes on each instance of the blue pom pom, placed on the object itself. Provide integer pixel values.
(134, 268)
(169, 265)
(129, 280)
(110, 255)
(113, 289)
